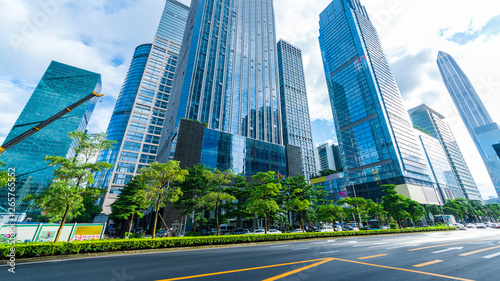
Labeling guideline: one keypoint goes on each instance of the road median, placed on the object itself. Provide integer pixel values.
(91, 247)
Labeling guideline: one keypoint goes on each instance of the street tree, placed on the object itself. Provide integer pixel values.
(193, 188)
(395, 204)
(90, 208)
(300, 196)
(236, 208)
(72, 178)
(130, 202)
(159, 185)
(212, 200)
(4, 175)
(359, 206)
(329, 213)
(415, 210)
(262, 199)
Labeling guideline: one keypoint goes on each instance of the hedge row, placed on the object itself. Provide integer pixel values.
(37, 249)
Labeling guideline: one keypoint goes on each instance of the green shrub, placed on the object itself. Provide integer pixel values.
(393, 226)
(36, 249)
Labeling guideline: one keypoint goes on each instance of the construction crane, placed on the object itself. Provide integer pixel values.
(45, 123)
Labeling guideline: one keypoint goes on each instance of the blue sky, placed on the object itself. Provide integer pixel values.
(101, 36)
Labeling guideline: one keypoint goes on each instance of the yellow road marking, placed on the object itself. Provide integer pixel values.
(369, 257)
(298, 270)
(240, 270)
(478, 251)
(427, 263)
(447, 244)
(408, 270)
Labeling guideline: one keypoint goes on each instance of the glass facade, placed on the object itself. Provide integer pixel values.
(294, 106)
(334, 184)
(139, 114)
(440, 168)
(241, 154)
(230, 74)
(375, 136)
(432, 121)
(483, 131)
(60, 86)
(328, 157)
(228, 79)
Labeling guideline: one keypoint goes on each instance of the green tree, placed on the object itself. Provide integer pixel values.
(300, 196)
(262, 198)
(130, 202)
(64, 198)
(159, 185)
(236, 208)
(214, 198)
(329, 213)
(395, 204)
(377, 211)
(193, 188)
(4, 175)
(415, 210)
(359, 206)
(90, 209)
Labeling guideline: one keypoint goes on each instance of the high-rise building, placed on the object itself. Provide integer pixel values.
(433, 122)
(328, 157)
(483, 131)
(139, 113)
(61, 86)
(376, 139)
(228, 79)
(294, 106)
(439, 167)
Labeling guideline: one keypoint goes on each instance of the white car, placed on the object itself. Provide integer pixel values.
(471, 226)
(273, 231)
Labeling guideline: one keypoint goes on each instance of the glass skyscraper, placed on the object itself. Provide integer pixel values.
(61, 86)
(294, 106)
(328, 157)
(375, 135)
(432, 121)
(228, 79)
(139, 114)
(439, 167)
(483, 131)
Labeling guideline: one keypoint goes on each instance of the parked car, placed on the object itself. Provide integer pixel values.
(460, 226)
(471, 226)
(273, 231)
(259, 231)
(241, 231)
(385, 227)
(326, 228)
(480, 226)
(297, 230)
(497, 226)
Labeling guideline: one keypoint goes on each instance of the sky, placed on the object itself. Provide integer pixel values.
(101, 36)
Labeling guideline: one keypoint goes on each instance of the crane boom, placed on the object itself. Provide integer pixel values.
(47, 122)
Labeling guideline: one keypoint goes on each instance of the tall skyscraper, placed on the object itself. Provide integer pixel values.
(228, 79)
(432, 121)
(294, 106)
(61, 86)
(328, 157)
(439, 167)
(139, 113)
(483, 131)
(375, 135)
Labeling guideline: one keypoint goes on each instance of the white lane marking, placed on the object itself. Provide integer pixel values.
(334, 241)
(280, 246)
(319, 242)
(363, 245)
(350, 242)
(301, 249)
(414, 245)
(449, 249)
(489, 256)
(328, 252)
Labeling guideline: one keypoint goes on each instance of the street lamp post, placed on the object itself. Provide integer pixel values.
(357, 208)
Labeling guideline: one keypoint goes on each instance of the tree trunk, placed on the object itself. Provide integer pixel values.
(301, 222)
(62, 223)
(265, 225)
(156, 215)
(194, 223)
(130, 227)
(217, 215)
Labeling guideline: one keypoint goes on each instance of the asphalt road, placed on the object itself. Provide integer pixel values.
(455, 255)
